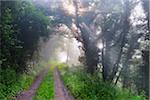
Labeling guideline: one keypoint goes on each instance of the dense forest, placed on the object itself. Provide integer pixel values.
(113, 43)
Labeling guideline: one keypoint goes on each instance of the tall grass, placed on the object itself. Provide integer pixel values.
(84, 86)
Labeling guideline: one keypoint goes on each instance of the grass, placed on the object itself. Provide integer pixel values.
(84, 86)
(54, 64)
(46, 89)
(12, 83)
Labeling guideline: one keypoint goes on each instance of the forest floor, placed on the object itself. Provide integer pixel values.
(29, 94)
(61, 92)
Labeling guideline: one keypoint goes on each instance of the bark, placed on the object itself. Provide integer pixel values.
(105, 69)
(126, 27)
(91, 51)
(145, 70)
(145, 53)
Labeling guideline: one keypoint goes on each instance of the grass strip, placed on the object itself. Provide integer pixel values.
(46, 89)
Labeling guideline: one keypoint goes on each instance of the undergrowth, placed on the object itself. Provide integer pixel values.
(84, 86)
(12, 83)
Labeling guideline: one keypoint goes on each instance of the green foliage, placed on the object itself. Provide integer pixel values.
(11, 83)
(57, 64)
(46, 89)
(22, 25)
(32, 25)
(91, 87)
(8, 41)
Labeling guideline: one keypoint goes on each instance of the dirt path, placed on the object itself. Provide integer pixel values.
(61, 92)
(29, 94)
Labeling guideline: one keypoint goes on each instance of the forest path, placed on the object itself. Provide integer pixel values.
(29, 94)
(61, 92)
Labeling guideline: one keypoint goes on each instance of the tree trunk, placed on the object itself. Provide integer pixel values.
(91, 51)
(145, 68)
(145, 53)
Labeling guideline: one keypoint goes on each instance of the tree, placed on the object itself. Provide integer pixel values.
(145, 51)
(20, 33)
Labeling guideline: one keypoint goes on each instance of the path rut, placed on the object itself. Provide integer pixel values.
(29, 94)
(61, 92)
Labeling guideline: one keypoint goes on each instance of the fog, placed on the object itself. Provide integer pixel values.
(61, 49)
